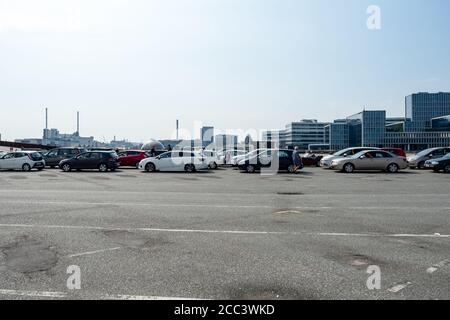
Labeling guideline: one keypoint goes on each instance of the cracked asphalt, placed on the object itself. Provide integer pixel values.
(224, 234)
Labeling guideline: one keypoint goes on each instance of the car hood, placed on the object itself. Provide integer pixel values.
(331, 157)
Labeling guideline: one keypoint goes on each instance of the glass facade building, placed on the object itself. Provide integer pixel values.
(278, 136)
(367, 128)
(426, 125)
(305, 133)
(207, 136)
(420, 108)
(441, 123)
(337, 135)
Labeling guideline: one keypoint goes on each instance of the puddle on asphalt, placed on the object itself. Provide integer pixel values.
(27, 255)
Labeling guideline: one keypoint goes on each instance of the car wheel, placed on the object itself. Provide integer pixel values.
(103, 167)
(26, 167)
(290, 169)
(447, 168)
(392, 168)
(349, 168)
(150, 167)
(250, 169)
(189, 168)
(66, 167)
(420, 166)
(213, 165)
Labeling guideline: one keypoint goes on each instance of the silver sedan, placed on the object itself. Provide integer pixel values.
(371, 160)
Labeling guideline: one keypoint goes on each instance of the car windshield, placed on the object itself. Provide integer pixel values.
(447, 156)
(424, 153)
(36, 156)
(342, 152)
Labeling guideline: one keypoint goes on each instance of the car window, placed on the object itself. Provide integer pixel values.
(19, 155)
(439, 152)
(84, 156)
(94, 155)
(283, 154)
(166, 155)
(53, 153)
(382, 155)
(9, 156)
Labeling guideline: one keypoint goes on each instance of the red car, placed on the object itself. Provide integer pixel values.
(397, 151)
(310, 159)
(131, 158)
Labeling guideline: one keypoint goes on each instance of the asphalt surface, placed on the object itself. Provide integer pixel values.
(224, 235)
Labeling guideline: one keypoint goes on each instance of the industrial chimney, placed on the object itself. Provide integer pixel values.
(78, 123)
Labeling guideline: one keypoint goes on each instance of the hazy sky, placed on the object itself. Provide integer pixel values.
(132, 67)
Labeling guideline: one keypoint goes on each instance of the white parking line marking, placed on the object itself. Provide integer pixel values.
(438, 266)
(223, 194)
(399, 287)
(175, 205)
(245, 232)
(43, 294)
(126, 204)
(52, 294)
(92, 252)
(130, 297)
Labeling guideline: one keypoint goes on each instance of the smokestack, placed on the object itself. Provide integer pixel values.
(78, 122)
(46, 118)
(177, 129)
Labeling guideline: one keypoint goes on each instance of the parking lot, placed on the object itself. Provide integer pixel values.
(224, 234)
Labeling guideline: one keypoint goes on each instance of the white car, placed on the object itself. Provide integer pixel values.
(236, 159)
(226, 156)
(22, 160)
(188, 161)
(211, 158)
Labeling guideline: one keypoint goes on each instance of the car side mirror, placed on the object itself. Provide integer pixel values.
(362, 157)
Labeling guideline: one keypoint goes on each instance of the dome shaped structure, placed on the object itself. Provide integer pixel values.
(153, 144)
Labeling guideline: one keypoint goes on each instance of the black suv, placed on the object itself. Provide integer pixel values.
(55, 156)
(101, 160)
(283, 161)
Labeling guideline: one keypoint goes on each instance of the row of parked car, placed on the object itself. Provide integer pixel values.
(347, 160)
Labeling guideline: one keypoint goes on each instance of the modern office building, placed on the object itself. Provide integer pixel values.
(207, 136)
(421, 107)
(304, 134)
(277, 136)
(426, 124)
(337, 135)
(367, 128)
(225, 141)
(440, 123)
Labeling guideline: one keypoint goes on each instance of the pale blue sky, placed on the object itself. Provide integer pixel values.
(132, 67)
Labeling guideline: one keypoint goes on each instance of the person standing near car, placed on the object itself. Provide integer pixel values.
(153, 152)
(296, 159)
